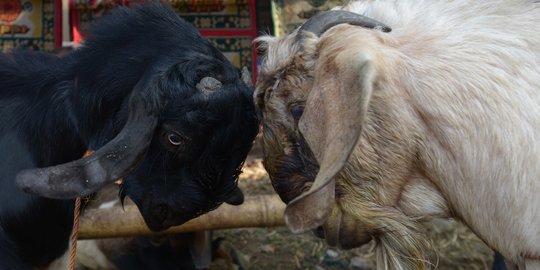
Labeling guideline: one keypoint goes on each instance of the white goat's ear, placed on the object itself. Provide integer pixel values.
(331, 125)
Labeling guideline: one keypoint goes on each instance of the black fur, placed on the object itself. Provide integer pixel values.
(54, 108)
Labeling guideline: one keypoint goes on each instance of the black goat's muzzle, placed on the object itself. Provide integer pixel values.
(161, 217)
(291, 171)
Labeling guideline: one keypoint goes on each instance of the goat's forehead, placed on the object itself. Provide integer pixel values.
(279, 52)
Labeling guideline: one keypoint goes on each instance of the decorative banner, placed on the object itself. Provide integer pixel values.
(230, 15)
(237, 49)
(289, 14)
(229, 25)
(215, 14)
(28, 23)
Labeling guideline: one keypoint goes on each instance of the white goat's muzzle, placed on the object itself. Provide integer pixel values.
(342, 230)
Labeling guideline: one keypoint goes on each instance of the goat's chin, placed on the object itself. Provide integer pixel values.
(160, 218)
(341, 230)
(157, 225)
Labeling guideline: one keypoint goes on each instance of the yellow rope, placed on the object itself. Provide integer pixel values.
(75, 230)
(74, 233)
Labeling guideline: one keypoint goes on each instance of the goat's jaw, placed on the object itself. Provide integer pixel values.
(343, 231)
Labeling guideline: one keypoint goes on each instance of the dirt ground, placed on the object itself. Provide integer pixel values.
(276, 248)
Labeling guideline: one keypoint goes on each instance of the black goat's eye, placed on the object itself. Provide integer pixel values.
(297, 111)
(174, 139)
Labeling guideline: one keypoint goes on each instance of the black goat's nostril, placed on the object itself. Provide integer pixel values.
(161, 211)
(319, 232)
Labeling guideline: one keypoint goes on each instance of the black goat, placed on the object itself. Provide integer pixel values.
(162, 108)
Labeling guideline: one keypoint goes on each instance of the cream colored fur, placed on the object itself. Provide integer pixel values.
(453, 124)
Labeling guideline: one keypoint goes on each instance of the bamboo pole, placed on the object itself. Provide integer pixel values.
(256, 211)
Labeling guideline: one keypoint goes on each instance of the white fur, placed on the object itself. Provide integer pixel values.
(462, 78)
(473, 70)
(91, 256)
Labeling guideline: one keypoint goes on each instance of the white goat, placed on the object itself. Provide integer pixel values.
(438, 118)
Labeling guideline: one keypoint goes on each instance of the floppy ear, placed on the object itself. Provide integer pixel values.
(331, 125)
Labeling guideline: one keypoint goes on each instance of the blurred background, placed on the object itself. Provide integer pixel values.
(231, 25)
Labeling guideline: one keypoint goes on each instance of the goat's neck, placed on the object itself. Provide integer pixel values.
(42, 134)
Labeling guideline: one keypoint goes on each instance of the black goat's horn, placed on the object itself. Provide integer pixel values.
(208, 85)
(112, 161)
(323, 21)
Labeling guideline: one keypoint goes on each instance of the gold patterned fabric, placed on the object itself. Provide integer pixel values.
(228, 24)
(28, 23)
(289, 14)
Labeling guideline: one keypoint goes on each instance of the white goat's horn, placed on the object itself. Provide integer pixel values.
(208, 85)
(323, 21)
(246, 77)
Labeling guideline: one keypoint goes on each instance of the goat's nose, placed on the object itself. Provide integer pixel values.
(155, 216)
(160, 212)
(319, 232)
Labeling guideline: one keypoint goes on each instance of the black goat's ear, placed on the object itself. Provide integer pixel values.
(236, 197)
(112, 161)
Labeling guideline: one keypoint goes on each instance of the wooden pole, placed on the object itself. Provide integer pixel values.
(256, 211)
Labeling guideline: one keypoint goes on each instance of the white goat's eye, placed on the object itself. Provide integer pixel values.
(174, 139)
(297, 111)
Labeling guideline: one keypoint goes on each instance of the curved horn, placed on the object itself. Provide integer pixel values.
(323, 21)
(109, 163)
(208, 85)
